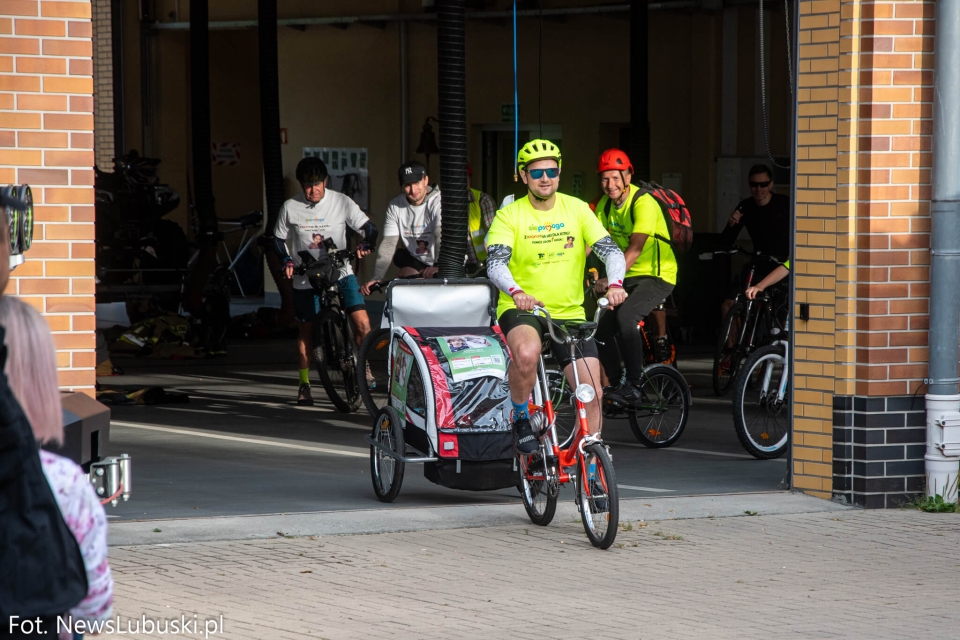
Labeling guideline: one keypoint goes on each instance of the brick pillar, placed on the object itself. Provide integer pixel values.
(818, 96)
(46, 141)
(863, 247)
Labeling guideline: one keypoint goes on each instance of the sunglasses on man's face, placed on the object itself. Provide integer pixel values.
(761, 185)
(552, 173)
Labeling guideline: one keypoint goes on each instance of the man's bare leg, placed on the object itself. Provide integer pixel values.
(525, 345)
(305, 344)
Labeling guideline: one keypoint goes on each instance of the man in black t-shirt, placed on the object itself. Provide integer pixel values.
(766, 216)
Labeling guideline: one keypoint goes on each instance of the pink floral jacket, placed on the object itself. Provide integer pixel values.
(85, 517)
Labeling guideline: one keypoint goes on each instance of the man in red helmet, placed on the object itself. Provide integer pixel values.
(636, 223)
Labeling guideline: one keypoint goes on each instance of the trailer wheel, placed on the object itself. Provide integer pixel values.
(385, 470)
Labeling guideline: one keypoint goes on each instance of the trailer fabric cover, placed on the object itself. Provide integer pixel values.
(473, 405)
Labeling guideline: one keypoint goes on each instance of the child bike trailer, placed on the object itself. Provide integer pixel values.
(449, 403)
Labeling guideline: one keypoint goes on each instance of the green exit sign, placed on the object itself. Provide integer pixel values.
(507, 113)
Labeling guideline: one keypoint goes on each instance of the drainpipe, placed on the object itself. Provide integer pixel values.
(942, 401)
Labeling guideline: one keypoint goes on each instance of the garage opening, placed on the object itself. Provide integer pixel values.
(359, 91)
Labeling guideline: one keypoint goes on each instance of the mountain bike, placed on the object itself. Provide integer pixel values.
(747, 324)
(660, 417)
(578, 457)
(761, 400)
(334, 350)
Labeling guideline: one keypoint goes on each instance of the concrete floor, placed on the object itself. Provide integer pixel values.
(241, 446)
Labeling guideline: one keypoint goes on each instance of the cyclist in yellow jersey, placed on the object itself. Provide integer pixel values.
(636, 223)
(532, 259)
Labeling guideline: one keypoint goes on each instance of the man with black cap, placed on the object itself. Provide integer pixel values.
(413, 219)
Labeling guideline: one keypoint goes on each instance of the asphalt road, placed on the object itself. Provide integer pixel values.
(241, 446)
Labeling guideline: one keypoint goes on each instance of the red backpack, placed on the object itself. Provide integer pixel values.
(675, 213)
(674, 210)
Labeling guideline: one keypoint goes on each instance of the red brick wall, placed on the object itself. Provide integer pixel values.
(46, 141)
(893, 197)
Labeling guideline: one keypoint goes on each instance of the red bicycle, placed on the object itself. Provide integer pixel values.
(580, 457)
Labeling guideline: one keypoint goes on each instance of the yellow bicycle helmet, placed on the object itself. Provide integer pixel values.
(538, 150)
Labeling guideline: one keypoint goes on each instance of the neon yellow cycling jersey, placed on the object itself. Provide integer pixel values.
(657, 257)
(548, 252)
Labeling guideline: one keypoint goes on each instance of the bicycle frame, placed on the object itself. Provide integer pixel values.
(569, 456)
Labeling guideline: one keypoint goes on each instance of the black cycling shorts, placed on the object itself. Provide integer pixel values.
(561, 353)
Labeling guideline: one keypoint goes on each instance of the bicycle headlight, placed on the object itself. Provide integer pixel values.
(585, 393)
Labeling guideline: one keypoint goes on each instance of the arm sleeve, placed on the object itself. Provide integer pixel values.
(500, 239)
(370, 233)
(280, 231)
(498, 269)
(384, 255)
(613, 259)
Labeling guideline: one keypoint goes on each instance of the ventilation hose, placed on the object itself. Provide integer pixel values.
(270, 137)
(451, 57)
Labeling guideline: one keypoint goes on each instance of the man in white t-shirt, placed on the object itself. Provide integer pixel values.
(413, 223)
(304, 223)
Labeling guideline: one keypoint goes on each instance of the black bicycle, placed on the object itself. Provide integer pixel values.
(748, 324)
(334, 352)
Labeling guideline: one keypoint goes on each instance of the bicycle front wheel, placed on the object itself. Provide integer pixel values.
(373, 372)
(729, 352)
(760, 417)
(597, 496)
(661, 415)
(335, 357)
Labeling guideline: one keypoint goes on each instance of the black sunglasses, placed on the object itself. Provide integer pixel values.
(763, 185)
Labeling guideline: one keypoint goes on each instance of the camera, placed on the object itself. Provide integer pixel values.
(17, 201)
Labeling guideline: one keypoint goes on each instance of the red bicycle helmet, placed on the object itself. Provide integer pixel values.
(614, 160)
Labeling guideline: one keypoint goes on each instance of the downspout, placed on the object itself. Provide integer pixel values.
(942, 400)
(451, 77)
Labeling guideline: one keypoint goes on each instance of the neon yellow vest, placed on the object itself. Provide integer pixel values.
(476, 226)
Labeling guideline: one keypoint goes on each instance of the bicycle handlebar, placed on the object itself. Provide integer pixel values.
(602, 305)
(709, 255)
(340, 257)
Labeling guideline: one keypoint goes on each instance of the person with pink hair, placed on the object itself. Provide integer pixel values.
(31, 370)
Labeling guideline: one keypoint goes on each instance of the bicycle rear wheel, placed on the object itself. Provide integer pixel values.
(661, 416)
(761, 419)
(336, 360)
(597, 496)
(539, 498)
(729, 352)
(375, 354)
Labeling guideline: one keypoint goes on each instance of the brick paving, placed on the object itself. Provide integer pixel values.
(852, 574)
